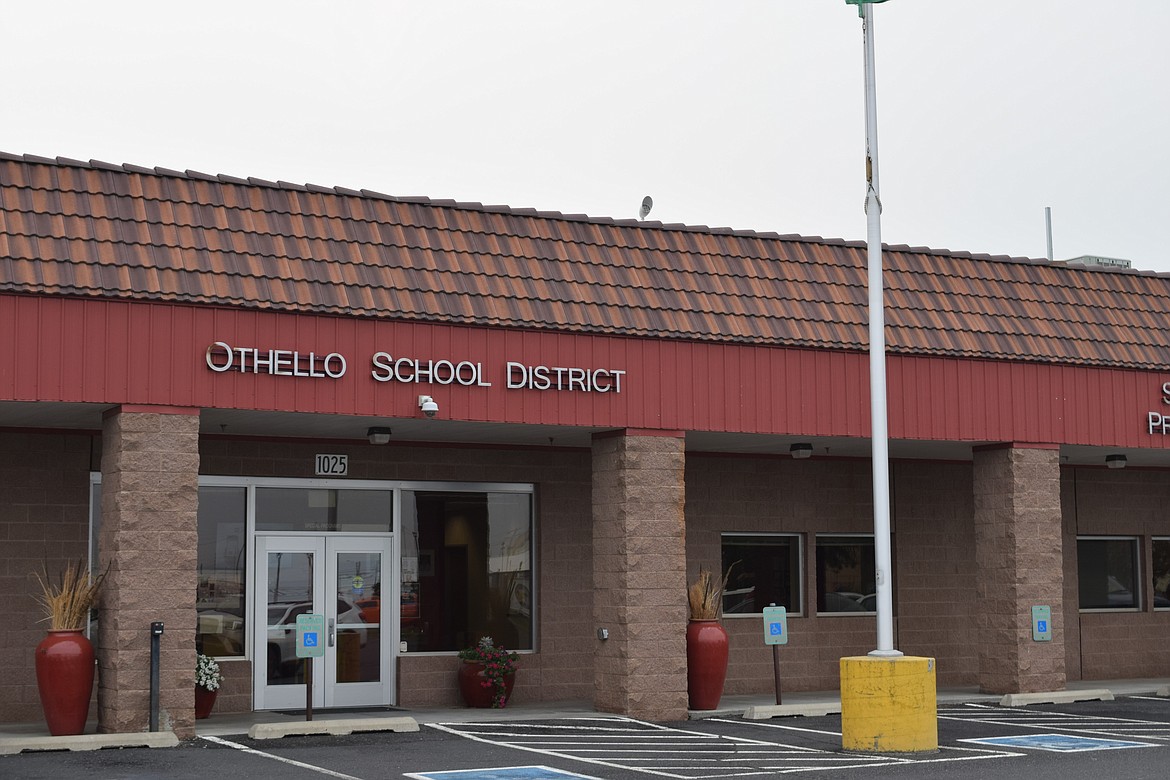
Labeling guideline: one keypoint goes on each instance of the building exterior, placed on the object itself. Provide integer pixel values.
(581, 412)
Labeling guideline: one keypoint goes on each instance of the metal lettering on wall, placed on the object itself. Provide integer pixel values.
(1158, 422)
(222, 357)
(281, 362)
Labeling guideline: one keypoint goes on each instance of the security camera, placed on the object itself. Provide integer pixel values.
(428, 405)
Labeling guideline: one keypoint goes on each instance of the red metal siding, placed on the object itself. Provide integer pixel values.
(139, 353)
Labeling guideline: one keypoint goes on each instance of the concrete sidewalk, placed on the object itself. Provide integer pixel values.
(15, 738)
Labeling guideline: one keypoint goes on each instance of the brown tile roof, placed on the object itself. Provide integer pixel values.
(121, 231)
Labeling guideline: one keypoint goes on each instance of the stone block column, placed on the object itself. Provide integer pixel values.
(1018, 543)
(639, 574)
(148, 543)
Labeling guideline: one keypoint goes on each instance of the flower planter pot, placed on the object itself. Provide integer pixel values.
(706, 663)
(471, 685)
(204, 701)
(64, 663)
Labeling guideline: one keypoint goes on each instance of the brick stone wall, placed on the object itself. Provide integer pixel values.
(148, 539)
(934, 567)
(1107, 502)
(44, 526)
(727, 494)
(1018, 550)
(43, 517)
(933, 559)
(639, 575)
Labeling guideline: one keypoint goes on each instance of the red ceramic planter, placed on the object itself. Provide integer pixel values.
(204, 701)
(471, 681)
(64, 663)
(706, 663)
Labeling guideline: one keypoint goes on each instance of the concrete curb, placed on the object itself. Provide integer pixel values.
(335, 728)
(765, 711)
(147, 739)
(1163, 691)
(1055, 697)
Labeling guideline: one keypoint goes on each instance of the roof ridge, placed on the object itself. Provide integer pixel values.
(222, 178)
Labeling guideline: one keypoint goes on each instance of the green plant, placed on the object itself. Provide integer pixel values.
(207, 674)
(497, 663)
(67, 603)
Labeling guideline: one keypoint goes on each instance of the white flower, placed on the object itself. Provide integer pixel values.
(207, 674)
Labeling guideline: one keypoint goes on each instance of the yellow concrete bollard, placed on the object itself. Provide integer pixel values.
(888, 705)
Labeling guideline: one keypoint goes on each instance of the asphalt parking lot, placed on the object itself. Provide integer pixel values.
(1126, 738)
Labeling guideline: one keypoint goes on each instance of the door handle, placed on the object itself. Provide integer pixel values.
(332, 632)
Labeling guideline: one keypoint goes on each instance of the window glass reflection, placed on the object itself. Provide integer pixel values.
(1161, 550)
(846, 579)
(221, 591)
(1107, 573)
(324, 509)
(763, 569)
(466, 570)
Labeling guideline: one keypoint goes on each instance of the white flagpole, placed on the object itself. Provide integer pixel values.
(877, 359)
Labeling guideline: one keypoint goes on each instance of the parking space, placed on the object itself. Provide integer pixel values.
(697, 751)
(1085, 720)
(1020, 742)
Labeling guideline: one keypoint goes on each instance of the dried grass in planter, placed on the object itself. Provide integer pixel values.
(67, 603)
(705, 595)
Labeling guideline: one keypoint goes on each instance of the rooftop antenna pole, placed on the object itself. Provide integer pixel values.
(877, 358)
(1048, 229)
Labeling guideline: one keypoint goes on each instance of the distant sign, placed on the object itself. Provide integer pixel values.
(775, 626)
(1041, 624)
(310, 636)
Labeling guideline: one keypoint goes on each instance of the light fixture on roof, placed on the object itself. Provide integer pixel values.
(801, 450)
(647, 204)
(428, 405)
(378, 435)
(1116, 461)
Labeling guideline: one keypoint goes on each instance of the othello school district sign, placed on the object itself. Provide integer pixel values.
(384, 367)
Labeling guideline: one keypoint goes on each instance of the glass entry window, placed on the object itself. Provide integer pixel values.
(341, 578)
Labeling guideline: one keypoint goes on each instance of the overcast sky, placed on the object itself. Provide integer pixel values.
(741, 114)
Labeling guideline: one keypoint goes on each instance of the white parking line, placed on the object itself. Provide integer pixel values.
(693, 754)
(1096, 725)
(253, 751)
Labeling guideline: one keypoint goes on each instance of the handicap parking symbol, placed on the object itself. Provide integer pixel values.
(775, 629)
(1042, 626)
(310, 639)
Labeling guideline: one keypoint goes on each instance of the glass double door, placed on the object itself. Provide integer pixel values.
(345, 578)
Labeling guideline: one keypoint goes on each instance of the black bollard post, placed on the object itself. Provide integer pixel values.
(309, 688)
(156, 631)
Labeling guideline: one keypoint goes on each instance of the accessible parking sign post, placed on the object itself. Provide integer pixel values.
(310, 645)
(776, 634)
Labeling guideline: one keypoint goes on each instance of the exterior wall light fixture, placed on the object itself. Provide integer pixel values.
(378, 435)
(428, 405)
(801, 450)
(1116, 461)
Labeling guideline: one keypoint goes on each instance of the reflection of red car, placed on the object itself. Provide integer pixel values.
(371, 610)
(410, 606)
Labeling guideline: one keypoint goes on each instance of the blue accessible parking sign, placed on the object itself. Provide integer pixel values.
(310, 629)
(775, 626)
(1041, 624)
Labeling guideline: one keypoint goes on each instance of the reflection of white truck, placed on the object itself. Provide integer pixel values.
(221, 633)
(282, 632)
